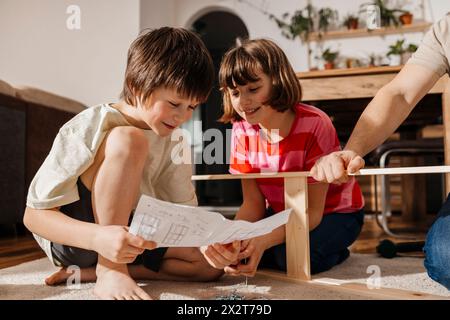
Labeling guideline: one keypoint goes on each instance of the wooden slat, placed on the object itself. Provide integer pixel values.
(348, 72)
(297, 228)
(354, 287)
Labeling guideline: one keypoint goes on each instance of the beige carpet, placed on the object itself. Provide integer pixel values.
(26, 282)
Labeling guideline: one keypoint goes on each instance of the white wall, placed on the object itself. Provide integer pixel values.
(88, 65)
(184, 11)
(157, 13)
(37, 49)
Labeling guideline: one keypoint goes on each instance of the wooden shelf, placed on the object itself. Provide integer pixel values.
(348, 72)
(342, 34)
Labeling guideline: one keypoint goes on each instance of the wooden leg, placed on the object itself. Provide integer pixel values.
(297, 228)
(446, 122)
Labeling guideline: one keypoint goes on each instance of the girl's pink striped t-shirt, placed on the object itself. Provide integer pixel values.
(312, 136)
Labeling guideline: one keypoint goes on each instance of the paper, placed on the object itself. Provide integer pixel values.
(172, 225)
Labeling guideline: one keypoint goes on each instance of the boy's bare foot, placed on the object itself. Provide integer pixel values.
(116, 284)
(61, 276)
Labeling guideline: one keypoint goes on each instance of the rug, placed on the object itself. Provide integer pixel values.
(25, 281)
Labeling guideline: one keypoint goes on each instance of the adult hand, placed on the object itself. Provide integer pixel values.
(221, 255)
(116, 244)
(335, 167)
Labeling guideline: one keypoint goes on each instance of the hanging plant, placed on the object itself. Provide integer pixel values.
(300, 24)
(326, 17)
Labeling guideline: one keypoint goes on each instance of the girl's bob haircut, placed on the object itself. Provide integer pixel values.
(240, 66)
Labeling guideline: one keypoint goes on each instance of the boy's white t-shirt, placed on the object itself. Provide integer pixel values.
(74, 150)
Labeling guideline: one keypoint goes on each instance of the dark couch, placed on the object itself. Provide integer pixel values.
(29, 121)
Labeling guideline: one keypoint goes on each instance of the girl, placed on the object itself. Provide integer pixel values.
(274, 132)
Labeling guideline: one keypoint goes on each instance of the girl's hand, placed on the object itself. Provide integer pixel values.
(116, 244)
(252, 250)
(221, 255)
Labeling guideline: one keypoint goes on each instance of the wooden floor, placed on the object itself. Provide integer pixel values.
(18, 249)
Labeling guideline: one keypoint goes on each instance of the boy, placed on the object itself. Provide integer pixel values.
(80, 201)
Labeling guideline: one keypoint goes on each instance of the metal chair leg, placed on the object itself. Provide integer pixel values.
(386, 200)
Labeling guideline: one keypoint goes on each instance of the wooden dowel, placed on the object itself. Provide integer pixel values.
(405, 170)
(362, 172)
(251, 176)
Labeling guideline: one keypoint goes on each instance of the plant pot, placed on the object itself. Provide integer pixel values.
(395, 60)
(406, 18)
(352, 24)
(328, 65)
(406, 56)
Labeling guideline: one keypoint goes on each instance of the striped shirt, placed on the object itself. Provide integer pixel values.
(312, 136)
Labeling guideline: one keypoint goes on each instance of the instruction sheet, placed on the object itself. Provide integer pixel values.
(173, 225)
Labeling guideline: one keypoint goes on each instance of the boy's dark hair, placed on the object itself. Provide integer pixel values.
(170, 57)
(239, 67)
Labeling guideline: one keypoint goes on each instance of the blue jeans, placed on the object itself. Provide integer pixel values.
(328, 243)
(437, 247)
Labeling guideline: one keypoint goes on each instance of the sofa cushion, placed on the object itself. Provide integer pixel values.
(7, 89)
(41, 97)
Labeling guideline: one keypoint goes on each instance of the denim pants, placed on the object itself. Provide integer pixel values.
(437, 247)
(328, 243)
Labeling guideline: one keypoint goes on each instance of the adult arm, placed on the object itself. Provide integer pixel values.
(384, 114)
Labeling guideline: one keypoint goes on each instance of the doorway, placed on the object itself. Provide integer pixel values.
(219, 31)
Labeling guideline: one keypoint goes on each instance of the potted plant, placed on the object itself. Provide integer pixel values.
(406, 18)
(329, 58)
(326, 17)
(351, 22)
(301, 24)
(396, 52)
(412, 48)
(372, 60)
(409, 51)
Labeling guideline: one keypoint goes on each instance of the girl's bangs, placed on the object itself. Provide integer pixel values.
(242, 70)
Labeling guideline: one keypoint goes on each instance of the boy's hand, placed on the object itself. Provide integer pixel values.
(221, 255)
(116, 244)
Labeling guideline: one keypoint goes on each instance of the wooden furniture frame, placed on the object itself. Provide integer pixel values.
(297, 228)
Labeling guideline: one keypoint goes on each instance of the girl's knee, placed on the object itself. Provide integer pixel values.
(126, 143)
(321, 263)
